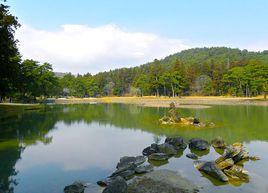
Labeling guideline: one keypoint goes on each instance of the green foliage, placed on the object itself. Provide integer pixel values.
(37, 80)
(246, 81)
(9, 55)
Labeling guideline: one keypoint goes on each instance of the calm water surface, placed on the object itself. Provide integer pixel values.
(41, 151)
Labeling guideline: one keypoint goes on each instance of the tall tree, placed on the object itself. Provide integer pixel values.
(9, 55)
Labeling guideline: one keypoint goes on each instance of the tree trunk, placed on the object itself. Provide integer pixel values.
(173, 93)
(265, 95)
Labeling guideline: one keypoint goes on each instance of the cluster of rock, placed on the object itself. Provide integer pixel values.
(127, 168)
(164, 181)
(166, 150)
(229, 164)
(173, 117)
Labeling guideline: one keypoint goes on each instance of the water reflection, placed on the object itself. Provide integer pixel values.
(67, 143)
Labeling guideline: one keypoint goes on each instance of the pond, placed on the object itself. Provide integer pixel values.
(43, 150)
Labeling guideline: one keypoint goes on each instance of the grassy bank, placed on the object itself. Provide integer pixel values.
(183, 102)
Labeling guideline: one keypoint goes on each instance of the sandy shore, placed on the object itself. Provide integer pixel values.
(181, 102)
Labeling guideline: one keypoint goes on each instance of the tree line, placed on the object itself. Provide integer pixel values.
(198, 71)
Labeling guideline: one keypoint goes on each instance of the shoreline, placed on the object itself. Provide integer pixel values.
(181, 102)
(152, 101)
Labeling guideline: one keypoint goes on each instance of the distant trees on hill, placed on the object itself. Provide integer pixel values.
(199, 71)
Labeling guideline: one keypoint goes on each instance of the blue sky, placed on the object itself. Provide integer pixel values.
(197, 23)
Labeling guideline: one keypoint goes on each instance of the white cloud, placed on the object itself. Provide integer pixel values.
(81, 49)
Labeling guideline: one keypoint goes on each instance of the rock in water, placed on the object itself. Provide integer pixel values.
(237, 172)
(198, 144)
(158, 157)
(76, 187)
(130, 162)
(196, 121)
(144, 169)
(173, 114)
(167, 149)
(150, 150)
(243, 154)
(177, 142)
(192, 156)
(105, 182)
(231, 152)
(218, 142)
(254, 158)
(211, 169)
(161, 181)
(126, 174)
(118, 185)
(226, 163)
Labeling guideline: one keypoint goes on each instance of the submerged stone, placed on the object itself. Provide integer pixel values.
(161, 181)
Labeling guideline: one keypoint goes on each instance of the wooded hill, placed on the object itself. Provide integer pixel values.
(202, 71)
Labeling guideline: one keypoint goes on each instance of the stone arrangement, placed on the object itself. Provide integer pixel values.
(146, 179)
(173, 118)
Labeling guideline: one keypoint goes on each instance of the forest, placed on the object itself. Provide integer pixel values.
(198, 71)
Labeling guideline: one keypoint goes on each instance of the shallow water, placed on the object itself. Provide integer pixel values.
(44, 150)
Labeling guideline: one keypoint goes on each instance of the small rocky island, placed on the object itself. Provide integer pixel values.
(135, 174)
(173, 118)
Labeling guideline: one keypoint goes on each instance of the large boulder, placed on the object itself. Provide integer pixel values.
(177, 142)
(211, 169)
(76, 187)
(198, 144)
(118, 185)
(161, 181)
(158, 157)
